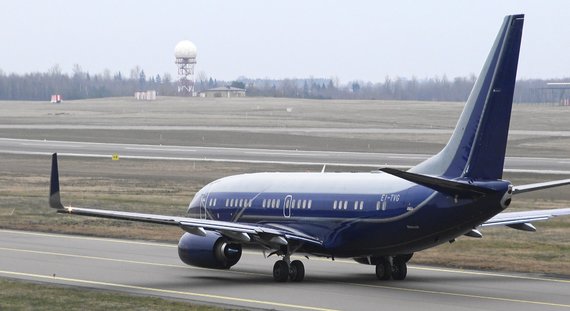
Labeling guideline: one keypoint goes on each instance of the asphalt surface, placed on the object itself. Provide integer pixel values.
(154, 269)
(267, 129)
(249, 155)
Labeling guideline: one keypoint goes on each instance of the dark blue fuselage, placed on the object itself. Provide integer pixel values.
(354, 214)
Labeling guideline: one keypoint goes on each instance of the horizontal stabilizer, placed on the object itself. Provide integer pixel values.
(540, 186)
(513, 219)
(439, 184)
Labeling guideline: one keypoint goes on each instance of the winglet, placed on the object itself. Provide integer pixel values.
(54, 199)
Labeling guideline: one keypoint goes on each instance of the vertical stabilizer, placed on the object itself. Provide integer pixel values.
(477, 146)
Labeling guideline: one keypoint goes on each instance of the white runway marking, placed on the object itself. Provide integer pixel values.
(160, 149)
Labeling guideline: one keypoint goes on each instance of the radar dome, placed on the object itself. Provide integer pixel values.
(185, 49)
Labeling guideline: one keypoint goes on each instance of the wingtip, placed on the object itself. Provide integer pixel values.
(54, 198)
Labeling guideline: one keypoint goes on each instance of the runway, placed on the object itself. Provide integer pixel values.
(154, 269)
(248, 155)
(268, 129)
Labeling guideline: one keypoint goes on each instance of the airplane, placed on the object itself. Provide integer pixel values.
(378, 218)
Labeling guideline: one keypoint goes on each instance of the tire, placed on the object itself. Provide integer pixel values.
(297, 271)
(280, 271)
(399, 270)
(383, 270)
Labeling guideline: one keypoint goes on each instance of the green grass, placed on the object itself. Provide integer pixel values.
(21, 295)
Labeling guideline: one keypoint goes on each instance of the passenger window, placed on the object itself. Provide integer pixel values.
(384, 205)
(310, 201)
(215, 200)
(232, 203)
(345, 204)
(272, 203)
(278, 203)
(263, 203)
(304, 204)
(355, 205)
(334, 205)
(361, 205)
(292, 204)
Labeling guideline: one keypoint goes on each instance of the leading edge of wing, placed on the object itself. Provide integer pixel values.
(513, 218)
(187, 224)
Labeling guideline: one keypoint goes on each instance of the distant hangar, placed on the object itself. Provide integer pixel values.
(224, 91)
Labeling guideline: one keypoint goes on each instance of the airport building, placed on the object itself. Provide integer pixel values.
(224, 91)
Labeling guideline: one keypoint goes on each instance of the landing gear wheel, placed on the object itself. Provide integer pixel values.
(297, 271)
(281, 271)
(399, 270)
(383, 270)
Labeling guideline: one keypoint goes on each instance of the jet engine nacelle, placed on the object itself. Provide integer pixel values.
(210, 251)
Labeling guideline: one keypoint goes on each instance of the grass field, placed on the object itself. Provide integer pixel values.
(108, 120)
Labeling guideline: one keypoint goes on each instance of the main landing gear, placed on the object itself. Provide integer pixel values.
(392, 267)
(286, 269)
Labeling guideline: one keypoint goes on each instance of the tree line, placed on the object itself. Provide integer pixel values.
(80, 84)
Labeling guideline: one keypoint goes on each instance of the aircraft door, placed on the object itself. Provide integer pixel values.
(287, 206)
(203, 206)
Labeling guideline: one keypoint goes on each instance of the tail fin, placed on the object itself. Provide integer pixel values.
(477, 146)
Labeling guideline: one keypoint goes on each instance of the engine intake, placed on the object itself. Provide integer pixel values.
(211, 251)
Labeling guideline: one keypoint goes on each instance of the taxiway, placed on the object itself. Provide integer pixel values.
(154, 269)
(542, 165)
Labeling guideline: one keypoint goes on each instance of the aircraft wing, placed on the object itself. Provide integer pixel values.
(241, 231)
(244, 232)
(522, 220)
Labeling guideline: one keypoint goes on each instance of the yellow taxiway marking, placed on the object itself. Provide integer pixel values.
(458, 271)
(78, 237)
(122, 260)
(344, 261)
(425, 291)
(260, 274)
(166, 291)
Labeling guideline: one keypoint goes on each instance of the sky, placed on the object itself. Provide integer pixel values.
(349, 40)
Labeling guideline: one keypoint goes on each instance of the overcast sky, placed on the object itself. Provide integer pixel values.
(365, 40)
